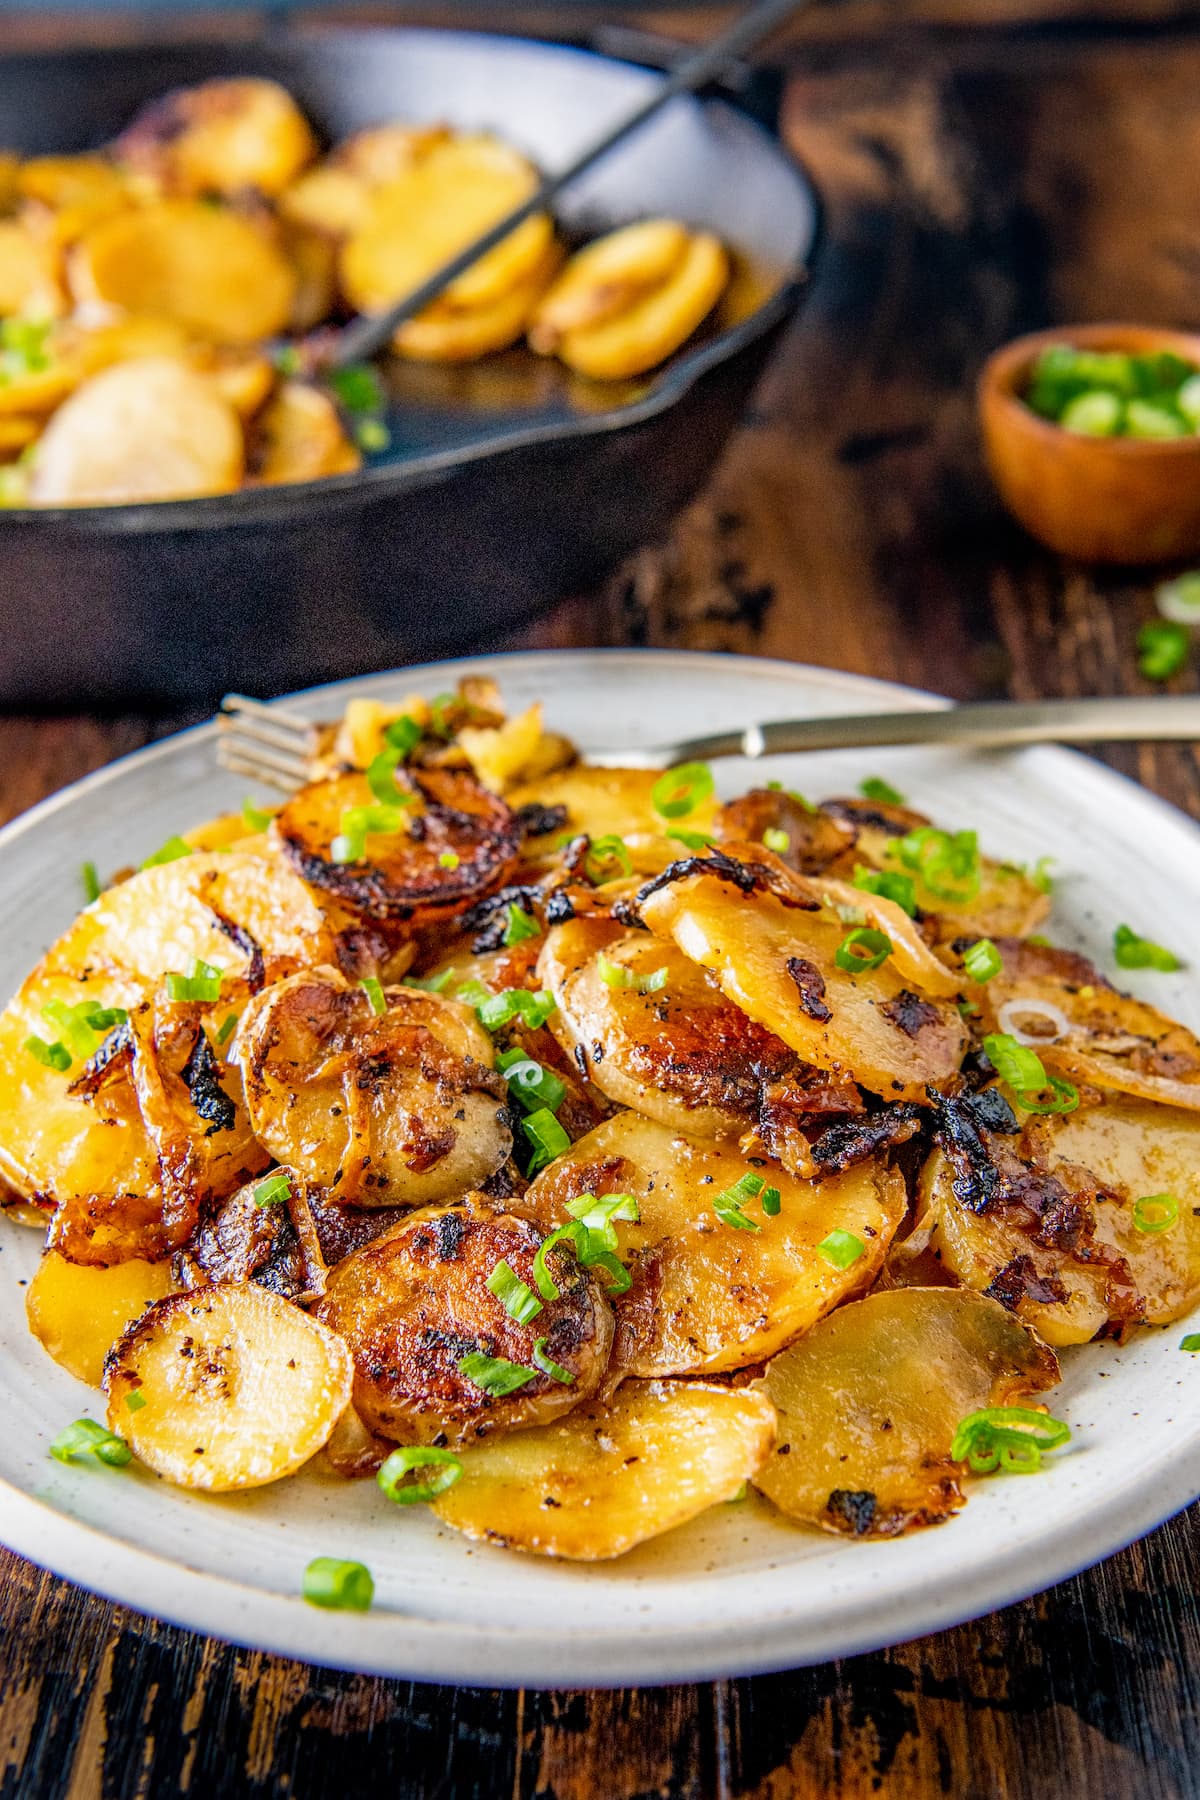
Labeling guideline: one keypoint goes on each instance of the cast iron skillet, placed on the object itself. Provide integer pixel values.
(509, 482)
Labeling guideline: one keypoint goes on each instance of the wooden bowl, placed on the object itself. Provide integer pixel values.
(1116, 500)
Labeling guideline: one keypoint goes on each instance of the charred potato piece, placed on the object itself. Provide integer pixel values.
(220, 137)
(608, 1477)
(653, 324)
(404, 1107)
(77, 1313)
(145, 430)
(815, 840)
(239, 1388)
(415, 1303)
(454, 843)
(870, 1400)
(300, 438)
(707, 1296)
(208, 268)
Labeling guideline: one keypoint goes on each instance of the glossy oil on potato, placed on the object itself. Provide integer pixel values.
(606, 1478)
(870, 1400)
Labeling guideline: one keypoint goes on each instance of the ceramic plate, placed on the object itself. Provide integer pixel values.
(739, 1590)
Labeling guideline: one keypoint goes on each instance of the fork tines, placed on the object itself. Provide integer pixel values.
(267, 743)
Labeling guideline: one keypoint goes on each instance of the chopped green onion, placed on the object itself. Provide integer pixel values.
(1040, 874)
(546, 1363)
(496, 1010)
(982, 961)
(1179, 600)
(360, 822)
(1063, 1097)
(1011, 1438)
(276, 1190)
(358, 387)
(407, 1461)
(530, 1083)
(614, 975)
(494, 1374)
(875, 788)
(439, 706)
(729, 1203)
(518, 1300)
(1191, 1343)
(91, 882)
(1163, 648)
(841, 1248)
(255, 818)
(81, 1027)
(1095, 414)
(863, 949)
(770, 1200)
(520, 925)
(202, 982)
(449, 859)
(85, 1438)
(680, 791)
(598, 1215)
(1014, 1062)
(381, 779)
(888, 884)
(777, 787)
(171, 851)
(1133, 952)
(227, 1029)
(949, 866)
(1155, 1212)
(778, 841)
(287, 359)
(605, 853)
(51, 1056)
(546, 1136)
(655, 981)
(595, 1245)
(373, 989)
(338, 1586)
(372, 435)
(135, 1400)
(431, 984)
(692, 840)
(403, 734)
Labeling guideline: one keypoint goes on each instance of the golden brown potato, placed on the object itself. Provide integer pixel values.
(239, 376)
(314, 259)
(607, 276)
(402, 1108)
(709, 1296)
(614, 802)
(17, 432)
(220, 137)
(77, 1313)
(449, 331)
(208, 268)
(816, 841)
(238, 1387)
(382, 152)
(72, 193)
(335, 197)
(503, 756)
(415, 1304)
(653, 324)
(870, 1400)
(128, 340)
(29, 273)
(300, 438)
(150, 429)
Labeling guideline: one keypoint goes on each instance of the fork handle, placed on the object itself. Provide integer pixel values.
(977, 725)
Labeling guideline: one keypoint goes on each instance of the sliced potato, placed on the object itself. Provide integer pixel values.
(150, 429)
(413, 1304)
(76, 191)
(612, 802)
(450, 332)
(17, 432)
(606, 276)
(220, 137)
(328, 199)
(208, 268)
(239, 1387)
(382, 152)
(644, 333)
(719, 1298)
(242, 377)
(130, 339)
(78, 1312)
(314, 259)
(608, 1477)
(300, 438)
(870, 1400)
(502, 756)
(29, 273)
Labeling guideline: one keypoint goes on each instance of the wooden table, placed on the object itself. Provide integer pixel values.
(974, 186)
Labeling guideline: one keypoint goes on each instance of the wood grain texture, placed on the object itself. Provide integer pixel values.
(972, 189)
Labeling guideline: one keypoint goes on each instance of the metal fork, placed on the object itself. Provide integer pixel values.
(274, 745)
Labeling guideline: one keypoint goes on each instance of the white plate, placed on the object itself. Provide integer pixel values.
(738, 1590)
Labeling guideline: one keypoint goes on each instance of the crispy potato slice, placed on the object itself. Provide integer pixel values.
(868, 1026)
(608, 1477)
(382, 152)
(643, 334)
(239, 1387)
(719, 1298)
(870, 1400)
(220, 137)
(402, 1108)
(415, 1302)
(77, 1312)
(450, 332)
(606, 276)
(208, 268)
(613, 802)
(300, 438)
(29, 273)
(149, 429)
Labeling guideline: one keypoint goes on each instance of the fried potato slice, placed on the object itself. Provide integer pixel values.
(778, 964)
(77, 1312)
(652, 327)
(816, 841)
(401, 1108)
(606, 276)
(239, 1387)
(613, 803)
(608, 1477)
(870, 1400)
(210, 269)
(707, 1296)
(329, 199)
(220, 137)
(29, 273)
(413, 1304)
(300, 438)
(450, 332)
(72, 193)
(17, 432)
(150, 429)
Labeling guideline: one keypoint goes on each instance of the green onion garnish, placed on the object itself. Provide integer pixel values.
(1179, 599)
(607, 859)
(982, 961)
(593, 1236)
(518, 1300)
(1063, 1097)
(1022, 1069)
(358, 387)
(546, 1136)
(680, 791)
(598, 1215)
(430, 984)
(889, 884)
(381, 779)
(408, 1461)
(494, 1374)
(778, 841)
(841, 1248)
(1191, 1343)
(728, 1204)
(1163, 648)
(372, 435)
(949, 866)
(439, 706)
(91, 882)
(1011, 1438)
(51, 1056)
(228, 1026)
(81, 1027)
(1133, 952)
(692, 840)
(255, 818)
(338, 1586)
(449, 859)
(863, 949)
(770, 1200)
(403, 734)
(287, 359)
(519, 926)
(546, 1363)
(202, 982)
(274, 1191)
(875, 788)
(135, 1400)
(1155, 1212)
(496, 1010)
(84, 1439)
(529, 1082)
(777, 787)
(373, 989)
(360, 822)
(614, 975)
(171, 851)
